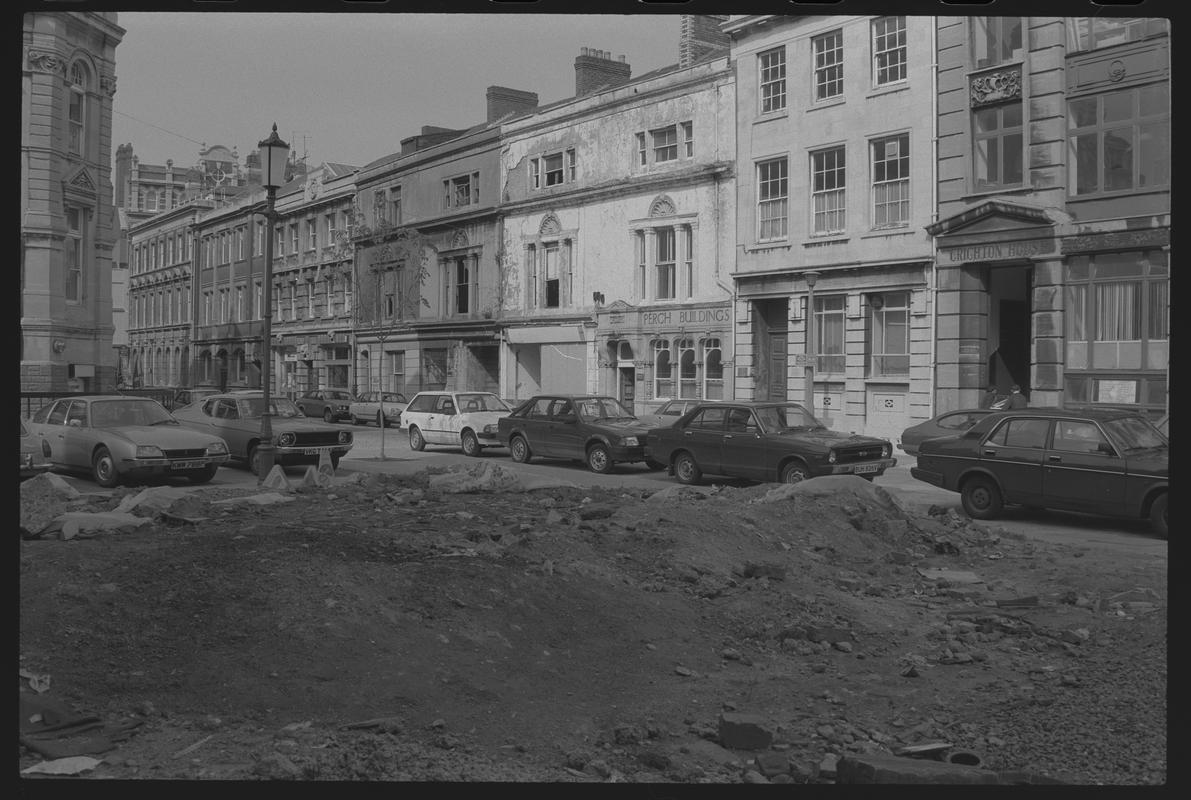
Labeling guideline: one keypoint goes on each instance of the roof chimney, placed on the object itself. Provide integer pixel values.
(596, 70)
(503, 101)
(700, 37)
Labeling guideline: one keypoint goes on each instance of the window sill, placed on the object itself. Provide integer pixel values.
(772, 115)
(888, 379)
(882, 232)
(822, 104)
(762, 246)
(826, 239)
(1014, 190)
(893, 88)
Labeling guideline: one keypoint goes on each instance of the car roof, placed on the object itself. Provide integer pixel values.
(1050, 412)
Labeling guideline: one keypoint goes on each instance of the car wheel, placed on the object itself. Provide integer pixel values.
(254, 460)
(203, 475)
(103, 468)
(471, 445)
(981, 498)
(599, 460)
(328, 417)
(795, 472)
(519, 450)
(686, 470)
(654, 465)
(416, 442)
(1158, 515)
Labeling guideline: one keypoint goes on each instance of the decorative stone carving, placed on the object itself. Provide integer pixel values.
(1116, 240)
(550, 226)
(47, 62)
(459, 239)
(1116, 70)
(107, 84)
(995, 87)
(662, 206)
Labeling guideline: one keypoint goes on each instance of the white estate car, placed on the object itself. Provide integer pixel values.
(464, 419)
(367, 408)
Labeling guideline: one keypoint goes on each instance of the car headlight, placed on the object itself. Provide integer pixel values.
(831, 457)
(149, 451)
(287, 439)
(345, 437)
(629, 441)
(490, 429)
(216, 448)
(885, 451)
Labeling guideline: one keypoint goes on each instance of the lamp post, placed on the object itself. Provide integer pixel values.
(811, 278)
(274, 154)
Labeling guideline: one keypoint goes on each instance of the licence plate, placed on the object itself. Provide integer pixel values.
(188, 464)
(862, 468)
(314, 451)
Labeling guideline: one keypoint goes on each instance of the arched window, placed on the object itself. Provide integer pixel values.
(713, 370)
(663, 369)
(78, 108)
(688, 385)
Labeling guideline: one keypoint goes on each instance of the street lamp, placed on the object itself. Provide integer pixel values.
(274, 155)
(811, 278)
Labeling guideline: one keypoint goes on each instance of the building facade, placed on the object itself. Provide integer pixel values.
(68, 225)
(835, 179)
(617, 231)
(1054, 209)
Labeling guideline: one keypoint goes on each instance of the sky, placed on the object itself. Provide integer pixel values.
(347, 88)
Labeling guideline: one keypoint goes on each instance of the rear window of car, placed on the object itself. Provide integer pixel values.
(1021, 433)
(708, 418)
(423, 402)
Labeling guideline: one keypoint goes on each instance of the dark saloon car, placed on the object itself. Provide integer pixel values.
(594, 429)
(330, 404)
(1095, 461)
(948, 423)
(776, 441)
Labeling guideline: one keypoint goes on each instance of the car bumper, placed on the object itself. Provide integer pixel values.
(301, 455)
(637, 453)
(863, 467)
(908, 449)
(489, 439)
(160, 466)
(933, 478)
(30, 470)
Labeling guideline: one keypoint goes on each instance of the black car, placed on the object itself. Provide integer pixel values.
(330, 404)
(1106, 462)
(591, 428)
(948, 423)
(775, 441)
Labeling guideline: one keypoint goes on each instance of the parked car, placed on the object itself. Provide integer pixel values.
(33, 457)
(595, 429)
(669, 412)
(236, 417)
(1163, 425)
(368, 407)
(466, 419)
(1106, 462)
(184, 397)
(774, 441)
(945, 424)
(120, 438)
(330, 404)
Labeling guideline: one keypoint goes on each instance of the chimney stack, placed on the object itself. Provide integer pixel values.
(700, 37)
(503, 101)
(596, 70)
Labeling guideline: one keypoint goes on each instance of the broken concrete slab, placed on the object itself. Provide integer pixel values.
(73, 523)
(744, 731)
(703, 750)
(832, 486)
(276, 479)
(949, 575)
(156, 498)
(875, 768)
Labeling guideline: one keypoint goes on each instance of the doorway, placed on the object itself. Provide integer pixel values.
(770, 330)
(1010, 329)
(626, 385)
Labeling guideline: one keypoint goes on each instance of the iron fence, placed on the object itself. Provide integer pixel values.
(31, 401)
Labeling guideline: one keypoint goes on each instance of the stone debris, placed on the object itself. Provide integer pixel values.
(153, 499)
(76, 523)
(744, 731)
(264, 499)
(277, 480)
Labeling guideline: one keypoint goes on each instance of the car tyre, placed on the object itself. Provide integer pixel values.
(1158, 515)
(328, 417)
(471, 445)
(599, 460)
(254, 460)
(103, 468)
(203, 475)
(686, 469)
(981, 498)
(416, 442)
(795, 472)
(519, 450)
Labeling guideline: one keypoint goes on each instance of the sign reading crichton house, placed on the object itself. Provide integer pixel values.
(997, 251)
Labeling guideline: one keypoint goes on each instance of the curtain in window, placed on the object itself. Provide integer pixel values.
(1159, 304)
(1077, 311)
(687, 386)
(663, 381)
(1118, 312)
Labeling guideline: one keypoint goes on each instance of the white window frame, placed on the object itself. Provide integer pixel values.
(663, 141)
(889, 51)
(662, 354)
(771, 80)
(883, 185)
(828, 66)
(829, 191)
(773, 191)
(77, 108)
(76, 237)
(665, 264)
(712, 381)
(878, 335)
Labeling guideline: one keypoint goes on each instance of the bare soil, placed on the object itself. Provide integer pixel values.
(394, 628)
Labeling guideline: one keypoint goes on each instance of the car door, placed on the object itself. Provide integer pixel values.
(742, 447)
(78, 437)
(1083, 471)
(438, 422)
(1014, 452)
(535, 425)
(565, 431)
(703, 437)
(53, 430)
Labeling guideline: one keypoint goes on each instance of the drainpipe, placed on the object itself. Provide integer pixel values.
(730, 289)
(934, 216)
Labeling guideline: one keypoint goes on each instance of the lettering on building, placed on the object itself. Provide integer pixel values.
(998, 251)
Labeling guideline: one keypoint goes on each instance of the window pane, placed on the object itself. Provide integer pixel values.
(1117, 106)
(1153, 155)
(1011, 115)
(1084, 164)
(1118, 312)
(1013, 159)
(1118, 159)
(1076, 313)
(985, 120)
(1158, 326)
(1081, 113)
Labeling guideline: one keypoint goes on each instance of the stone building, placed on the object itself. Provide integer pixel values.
(68, 225)
(617, 229)
(835, 179)
(1054, 209)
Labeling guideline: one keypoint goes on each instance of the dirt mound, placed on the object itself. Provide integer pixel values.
(456, 625)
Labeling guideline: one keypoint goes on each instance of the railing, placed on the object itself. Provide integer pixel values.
(31, 401)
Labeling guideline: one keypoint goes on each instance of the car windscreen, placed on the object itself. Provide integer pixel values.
(252, 407)
(478, 401)
(340, 396)
(393, 398)
(787, 417)
(1134, 433)
(593, 408)
(117, 413)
